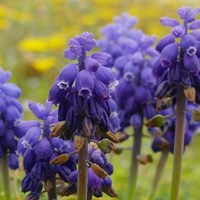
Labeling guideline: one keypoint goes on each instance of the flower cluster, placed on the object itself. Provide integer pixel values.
(10, 113)
(82, 90)
(179, 56)
(38, 150)
(164, 136)
(98, 174)
(133, 58)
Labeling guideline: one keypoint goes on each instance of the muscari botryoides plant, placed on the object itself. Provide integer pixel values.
(178, 74)
(133, 57)
(85, 108)
(10, 114)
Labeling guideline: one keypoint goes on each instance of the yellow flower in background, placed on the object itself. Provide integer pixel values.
(41, 44)
(33, 44)
(42, 65)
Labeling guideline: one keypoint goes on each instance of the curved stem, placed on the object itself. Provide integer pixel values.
(179, 143)
(5, 177)
(52, 194)
(158, 174)
(82, 172)
(133, 174)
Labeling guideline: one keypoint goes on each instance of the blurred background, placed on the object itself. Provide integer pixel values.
(33, 37)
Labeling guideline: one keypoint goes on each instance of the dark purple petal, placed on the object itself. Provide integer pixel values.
(84, 83)
(43, 149)
(191, 63)
(169, 55)
(167, 21)
(164, 42)
(107, 76)
(189, 44)
(91, 64)
(13, 162)
(100, 90)
(29, 159)
(12, 114)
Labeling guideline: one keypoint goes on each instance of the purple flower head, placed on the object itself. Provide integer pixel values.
(84, 89)
(133, 65)
(79, 45)
(10, 114)
(179, 59)
(96, 184)
(164, 136)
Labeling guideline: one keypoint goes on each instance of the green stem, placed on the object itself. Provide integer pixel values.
(133, 174)
(52, 194)
(5, 177)
(89, 195)
(179, 143)
(158, 174)
(82, 172)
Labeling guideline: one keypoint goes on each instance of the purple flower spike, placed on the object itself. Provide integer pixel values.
(84, 83)
(13, 161)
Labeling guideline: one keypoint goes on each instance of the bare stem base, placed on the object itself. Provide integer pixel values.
(158, 174)
(179, 143)
(133, 174)
(82, 172)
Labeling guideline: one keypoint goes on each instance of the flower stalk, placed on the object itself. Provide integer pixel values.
(52, 194)
(133, 174)
(158, 174)
(5, 178)
(179, 143)
(82, 172)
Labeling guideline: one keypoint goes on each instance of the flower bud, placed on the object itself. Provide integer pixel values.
(190, 94)
(108, 135)
(196, 115)
(109, 191)
(121, 136)
(144, 159)
(78, 142)
(59, 160)
(59, 129)
(100, 172)
(118, 150)
(105, 145)
(156, 121)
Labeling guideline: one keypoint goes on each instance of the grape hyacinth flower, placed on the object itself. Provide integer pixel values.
(164, 139)
(82, 90)
(10, 113)
(99, 170)
(133, 58)
(178, 72)
(38, 151)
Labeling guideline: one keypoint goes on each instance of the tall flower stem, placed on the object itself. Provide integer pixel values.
(5, 177)
(52, 194)
(179, 143)
(133, 174)
(82, 172)
(158, 174)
